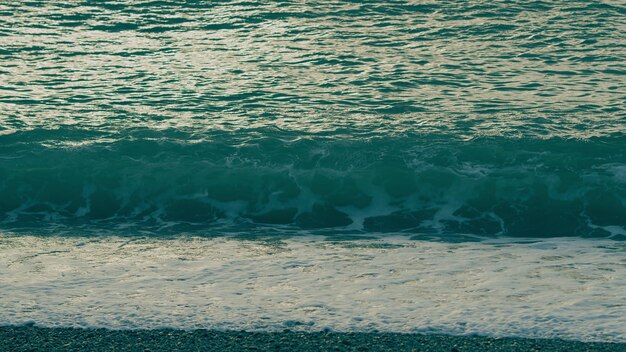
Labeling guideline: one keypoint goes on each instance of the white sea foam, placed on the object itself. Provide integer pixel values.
(566, 288)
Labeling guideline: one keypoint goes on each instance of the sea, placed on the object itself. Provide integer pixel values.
(454, 167)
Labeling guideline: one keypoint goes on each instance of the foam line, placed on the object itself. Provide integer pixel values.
(570, 289)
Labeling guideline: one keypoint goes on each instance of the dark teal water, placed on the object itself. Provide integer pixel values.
(444, 118)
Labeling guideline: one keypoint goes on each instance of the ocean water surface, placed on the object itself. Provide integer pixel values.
(414, 166)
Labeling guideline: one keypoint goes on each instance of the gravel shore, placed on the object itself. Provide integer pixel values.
(31, 338)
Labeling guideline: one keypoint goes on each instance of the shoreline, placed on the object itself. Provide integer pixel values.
(32, 338)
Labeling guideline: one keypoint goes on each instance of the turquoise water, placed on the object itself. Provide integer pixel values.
(435, 119)
(454, 167)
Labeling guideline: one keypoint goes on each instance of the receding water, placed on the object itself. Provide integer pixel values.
(567, 288)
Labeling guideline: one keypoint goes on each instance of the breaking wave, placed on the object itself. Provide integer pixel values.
(410, 183)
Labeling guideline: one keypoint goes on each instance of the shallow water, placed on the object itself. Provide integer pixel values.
(571, 289)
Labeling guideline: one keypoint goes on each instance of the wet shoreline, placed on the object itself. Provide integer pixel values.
(31, 338)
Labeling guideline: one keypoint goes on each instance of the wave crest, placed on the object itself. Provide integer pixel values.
(408, 184)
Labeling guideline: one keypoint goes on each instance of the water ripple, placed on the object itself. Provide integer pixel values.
(538, 69)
